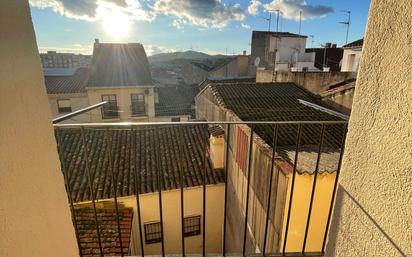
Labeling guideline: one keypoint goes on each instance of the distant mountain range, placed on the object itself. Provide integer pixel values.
(187, 55)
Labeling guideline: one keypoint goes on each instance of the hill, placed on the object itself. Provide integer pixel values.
(187, 55)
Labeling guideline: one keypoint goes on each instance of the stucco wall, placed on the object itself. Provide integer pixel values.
(315, 82)
(123, 102)
(373, 213)
(77, 102)
(34, 212)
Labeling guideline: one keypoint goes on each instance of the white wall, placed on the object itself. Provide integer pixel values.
(349, 63)
(34, 211)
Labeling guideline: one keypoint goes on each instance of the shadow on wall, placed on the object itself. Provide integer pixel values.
(362, 215)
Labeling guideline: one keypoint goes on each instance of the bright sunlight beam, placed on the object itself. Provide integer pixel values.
(116, 24)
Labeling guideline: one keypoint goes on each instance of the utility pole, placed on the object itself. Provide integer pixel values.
(300, 21)
(347, 24)
(269, 20)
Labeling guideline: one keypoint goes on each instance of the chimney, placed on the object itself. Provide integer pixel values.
(96, 41)
(333, 45)
(217, 143)
(244, 52)
(328, 45)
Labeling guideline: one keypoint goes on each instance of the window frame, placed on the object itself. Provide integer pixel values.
(187, 225)
(135, 109)
(59, 109)
(110, 103)
(157, 232)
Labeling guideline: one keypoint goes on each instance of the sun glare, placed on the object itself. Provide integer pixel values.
(116, 24)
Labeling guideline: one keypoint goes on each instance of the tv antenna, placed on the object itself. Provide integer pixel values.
(312, 40)
(347, 24)
(269, 20)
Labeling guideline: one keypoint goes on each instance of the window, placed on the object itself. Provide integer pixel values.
(138, 105)
(110, 110)
(63, 106)
(152, 232)
(176, 119)
(192, 226)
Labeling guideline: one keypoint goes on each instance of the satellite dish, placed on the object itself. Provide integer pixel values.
(257, 61)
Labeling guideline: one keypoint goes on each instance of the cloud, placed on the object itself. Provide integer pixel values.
(95, 9)
(291, 8)
(245, 26)
(152, 49)
(178, 23)
(253, 8)
(205, 13)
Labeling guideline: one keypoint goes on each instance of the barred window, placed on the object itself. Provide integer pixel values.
(192, 226)
(153, 232)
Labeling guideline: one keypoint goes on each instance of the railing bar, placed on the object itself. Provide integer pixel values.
(312, 196)
(137, 191)
(335, 187)
(275, 136)
(114, 181)
(248, 187)
(295, 164)
(199, 123)
(226, 179)
(91, 190)
(78, 112)
(159, 185)
(68, 187)
(204, 198)
(181, 181)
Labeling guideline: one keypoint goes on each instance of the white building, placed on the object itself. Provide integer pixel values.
(351, 56)
(52, 59)
(282, 51)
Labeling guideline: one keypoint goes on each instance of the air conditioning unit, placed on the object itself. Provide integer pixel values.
(147, 91)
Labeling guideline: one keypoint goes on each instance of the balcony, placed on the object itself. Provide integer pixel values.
(201, 187)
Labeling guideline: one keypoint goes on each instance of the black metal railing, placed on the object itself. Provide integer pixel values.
(325, 136)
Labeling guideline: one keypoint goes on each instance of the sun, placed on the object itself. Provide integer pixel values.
(116, 24)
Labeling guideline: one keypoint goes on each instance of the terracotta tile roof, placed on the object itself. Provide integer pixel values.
(277, 102)
(175, 100)
(137, 151)
(339, 88)
(216, 130)
(356, 43)
(119, 65)
(106, 215)
(75, 83)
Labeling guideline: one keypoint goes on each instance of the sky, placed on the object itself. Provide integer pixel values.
(210, 26)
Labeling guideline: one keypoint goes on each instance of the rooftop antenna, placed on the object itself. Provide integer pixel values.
(269, 20)
(312, 40)
(347, 24)
(281, 21)
(300, 21)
